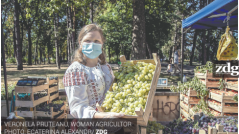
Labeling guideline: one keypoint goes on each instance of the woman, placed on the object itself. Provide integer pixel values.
(89, 77)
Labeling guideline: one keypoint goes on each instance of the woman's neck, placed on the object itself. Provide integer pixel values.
(91, 62)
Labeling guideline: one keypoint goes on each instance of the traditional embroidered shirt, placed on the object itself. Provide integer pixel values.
(85, 86)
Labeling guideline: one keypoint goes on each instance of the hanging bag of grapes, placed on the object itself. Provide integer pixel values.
(228, 48)
(133, 89)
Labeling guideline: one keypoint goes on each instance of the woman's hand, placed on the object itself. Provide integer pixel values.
(108, 115)
(114, 115)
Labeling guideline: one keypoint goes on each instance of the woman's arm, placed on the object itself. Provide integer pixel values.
(78, 102)
(107, 115)
(76, 91)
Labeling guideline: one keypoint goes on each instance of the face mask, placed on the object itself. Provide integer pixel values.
(91, 50)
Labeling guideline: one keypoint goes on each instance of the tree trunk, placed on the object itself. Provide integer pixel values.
(17, 34)
(56, 22)
(149, 50)
(35, 54)
(203, 48)
(29, 46)
(138, 37)
(91, 12)
(69, 34)
(208, 47)
(170, 53)
(48, 48)
(44, 58)
(194, 46)
(40, 54)
(14, 41)
(73, 27)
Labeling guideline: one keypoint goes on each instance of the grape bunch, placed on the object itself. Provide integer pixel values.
(53, 93)
(153, 127)
(180, 127)
(130, 91)
(190, 127)
(43, 107)
(57, 105)
(39, 95)
(52, 85)
(230, 123)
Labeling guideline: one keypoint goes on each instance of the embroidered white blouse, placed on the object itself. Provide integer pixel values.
(85, 86)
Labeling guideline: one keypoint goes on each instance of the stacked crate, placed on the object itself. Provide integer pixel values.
(49, 87)
(187, 101)
(220, 103)
(53, 94)
(32, 103)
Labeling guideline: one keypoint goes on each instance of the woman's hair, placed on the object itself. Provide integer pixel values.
(78, 53)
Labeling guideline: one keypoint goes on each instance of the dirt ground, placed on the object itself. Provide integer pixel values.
(13, 75)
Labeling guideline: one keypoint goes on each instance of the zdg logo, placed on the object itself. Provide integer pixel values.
(223, 69)
(101, 131)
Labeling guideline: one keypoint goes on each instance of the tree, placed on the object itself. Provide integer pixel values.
(17, 35)
(193, 48)
(28, 20)
(56, 22)
(138, 36)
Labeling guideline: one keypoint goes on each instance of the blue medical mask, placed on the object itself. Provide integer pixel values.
(91, 50)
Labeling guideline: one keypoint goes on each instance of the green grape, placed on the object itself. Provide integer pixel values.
(133, 83)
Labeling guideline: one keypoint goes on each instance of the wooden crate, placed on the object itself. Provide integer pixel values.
(30, 89)
(223, 108)
(192, 113)
(191, 92)
(31, 103)
(52, 114)
(53, 89)
(184, 106)
(229, 109)
(221, 98)
(211, 84)
(181, 97)
(230, 84)
(143, 116)
(190, 100)
(50, 82)
(185, 114)
(218, 108)
(54, 96)
(200, 75)
(208, 79)
(229, 77)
